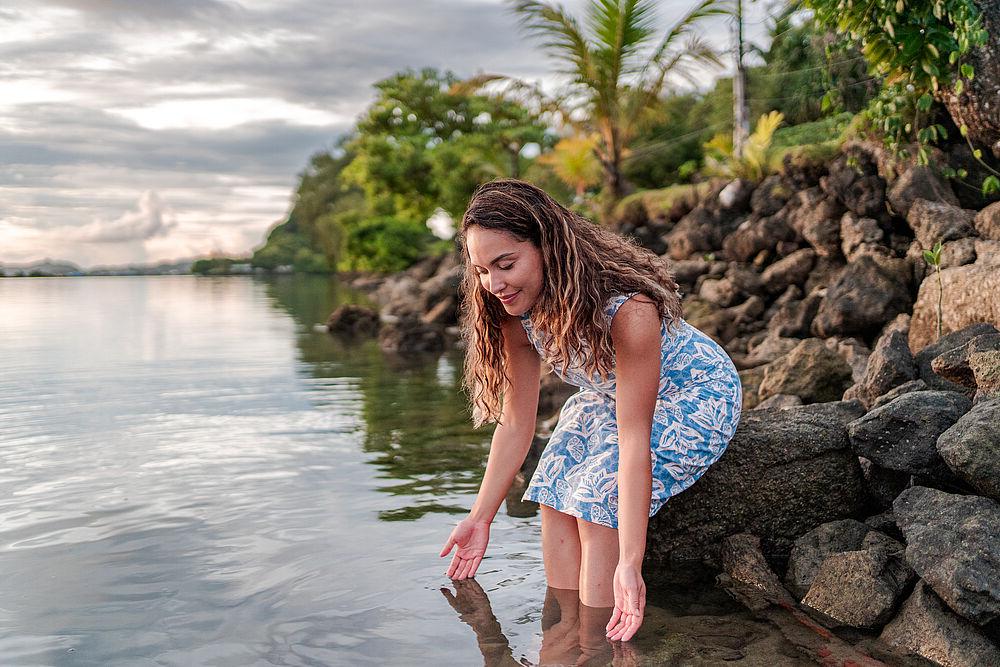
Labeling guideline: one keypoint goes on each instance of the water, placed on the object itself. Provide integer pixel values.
(190, 474)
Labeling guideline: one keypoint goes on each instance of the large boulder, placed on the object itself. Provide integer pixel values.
(820, 225)
(927, 627)
(785, 471)
(953, 365)
(410, 334)
(987, 222)
(889, 365)
(902, 435)
(951, 341)
(937, 222)
(953, 544)
(971, 294)
(919, 182)
(811, 371)
(971, 448)
(867, 294)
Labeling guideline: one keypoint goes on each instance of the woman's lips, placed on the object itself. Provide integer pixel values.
(509, 298)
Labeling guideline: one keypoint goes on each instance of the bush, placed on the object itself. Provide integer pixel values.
(385, 244)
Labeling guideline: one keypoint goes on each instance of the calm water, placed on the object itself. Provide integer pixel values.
(191, 475)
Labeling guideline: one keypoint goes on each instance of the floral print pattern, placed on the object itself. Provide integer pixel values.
(696, 414)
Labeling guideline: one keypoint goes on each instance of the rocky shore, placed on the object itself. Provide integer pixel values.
(861, 492)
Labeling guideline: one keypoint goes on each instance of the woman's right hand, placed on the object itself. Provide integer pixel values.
(471, 538)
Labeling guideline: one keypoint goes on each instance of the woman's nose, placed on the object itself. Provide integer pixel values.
(495, 284)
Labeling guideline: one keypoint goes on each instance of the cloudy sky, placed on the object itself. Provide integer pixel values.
(151, 130)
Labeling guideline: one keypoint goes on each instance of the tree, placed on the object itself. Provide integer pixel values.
(616, 69)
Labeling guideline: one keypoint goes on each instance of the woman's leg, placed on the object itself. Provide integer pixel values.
(598, 560)
(560, 549)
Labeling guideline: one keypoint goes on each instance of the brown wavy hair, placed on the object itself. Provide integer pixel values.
(584, 265)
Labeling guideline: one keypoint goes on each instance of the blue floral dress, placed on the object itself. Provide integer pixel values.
(696, 413)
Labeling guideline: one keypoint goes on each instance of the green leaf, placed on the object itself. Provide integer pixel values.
(924, 102)
(991, 184)
(978, 154)
(964, 130)
(928, 257)
(967, 71)
(959, 87)
(826, 102)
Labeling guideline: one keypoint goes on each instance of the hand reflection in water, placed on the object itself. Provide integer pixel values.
(572, 632)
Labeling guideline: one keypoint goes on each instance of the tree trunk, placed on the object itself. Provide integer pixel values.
(978, 107)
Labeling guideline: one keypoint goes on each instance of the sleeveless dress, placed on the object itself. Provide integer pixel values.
(697, 410)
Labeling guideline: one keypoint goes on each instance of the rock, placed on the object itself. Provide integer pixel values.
(919, 182)
(794, 318)
(953, 545)
(768, 349)
(810, 371)
(856, 184)
(352, 320)
(860, 588)
(853, 352)
(743, 561)
(867, 294)
(971, 294)
(746, 280)
(755, 235)
(987, 252)
(986, 370)
(933, 222)
(825, 271)
(443, 313)
(902, 435)
(811, 549)
(893, 394)
(860, 236)
(987, 222)
(925, 626)
(721, 292)
(953, 364)
(950, 341)
(881, 484)
(441, 286)
(884, 523)
(958, 253)
(779, 401)
(408, 334)
(784, 472)
(971, 448)
(750, 380)
(399, 295)
(889, 366)
(790, 270)
(686, 271)
(770, 196)
(820, 226)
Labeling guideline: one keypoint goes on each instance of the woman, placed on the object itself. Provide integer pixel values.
(658, 401)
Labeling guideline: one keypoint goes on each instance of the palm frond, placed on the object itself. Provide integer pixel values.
(560, 33)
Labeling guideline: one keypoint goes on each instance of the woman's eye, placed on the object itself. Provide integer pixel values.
(506, 268)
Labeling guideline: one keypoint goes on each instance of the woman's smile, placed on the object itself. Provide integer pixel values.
(509, 298)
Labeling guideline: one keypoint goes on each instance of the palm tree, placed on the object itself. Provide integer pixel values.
(614, 66)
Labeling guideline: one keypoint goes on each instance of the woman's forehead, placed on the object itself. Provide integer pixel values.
(480, 242)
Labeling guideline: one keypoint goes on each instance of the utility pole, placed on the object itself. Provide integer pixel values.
(741, 121)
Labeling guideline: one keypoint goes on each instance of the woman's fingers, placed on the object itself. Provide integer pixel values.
(615, 616)
(475, 565)
(463, 570)
(447, 546)
(455, 562)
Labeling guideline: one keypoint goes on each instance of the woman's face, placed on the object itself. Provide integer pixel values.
(509, 269)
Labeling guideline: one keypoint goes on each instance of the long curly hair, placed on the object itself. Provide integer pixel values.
(583, 264)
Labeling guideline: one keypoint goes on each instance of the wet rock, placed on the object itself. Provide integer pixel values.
(790, 270)
(860, 588)
(812, 548)
(919, 183)
(933, 222)
(867, 294)
(902, 435)
(810, 371)
(784, 472)
(352, 320)
(971, 294)
(953, 544)
(971, 448)
(956, 339)
(409, 334)
(925, 626)
(987, 222)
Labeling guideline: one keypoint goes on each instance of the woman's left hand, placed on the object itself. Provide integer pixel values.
(630, 602)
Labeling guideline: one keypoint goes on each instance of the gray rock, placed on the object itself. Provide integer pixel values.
(795, 318)
(853, 352)
(971, 294)
(953, 364)
(769, 348)
(986, 371)
(819, 225)
(790, 270)
(952, 543)
(859, 236)
(896, 392)
(352, 320)
(770, 196)
(902, 435)
(971, 448)
(937, 222)
(867, 294)
(881, 484)
(810, 371)
(919, 183)
(884, 523)
(784, 472)
(779, 401)
(860, 588)
(815, 546)
(409, 334)
(743, 561)
(754, 235)
(956, 339)
(890, 365)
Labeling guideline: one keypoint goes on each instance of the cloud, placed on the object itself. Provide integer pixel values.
(149, 220)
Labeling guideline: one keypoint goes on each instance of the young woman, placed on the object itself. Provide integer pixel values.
(658, 400)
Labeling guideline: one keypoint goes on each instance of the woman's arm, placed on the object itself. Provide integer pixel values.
(635, 332)
(514, 434)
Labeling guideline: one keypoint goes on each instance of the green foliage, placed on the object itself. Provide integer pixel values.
(917, 47)
(755, 163)
(385, 244)
(212, 266)
(933, 257)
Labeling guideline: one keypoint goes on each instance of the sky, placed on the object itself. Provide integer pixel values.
(139, 131)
